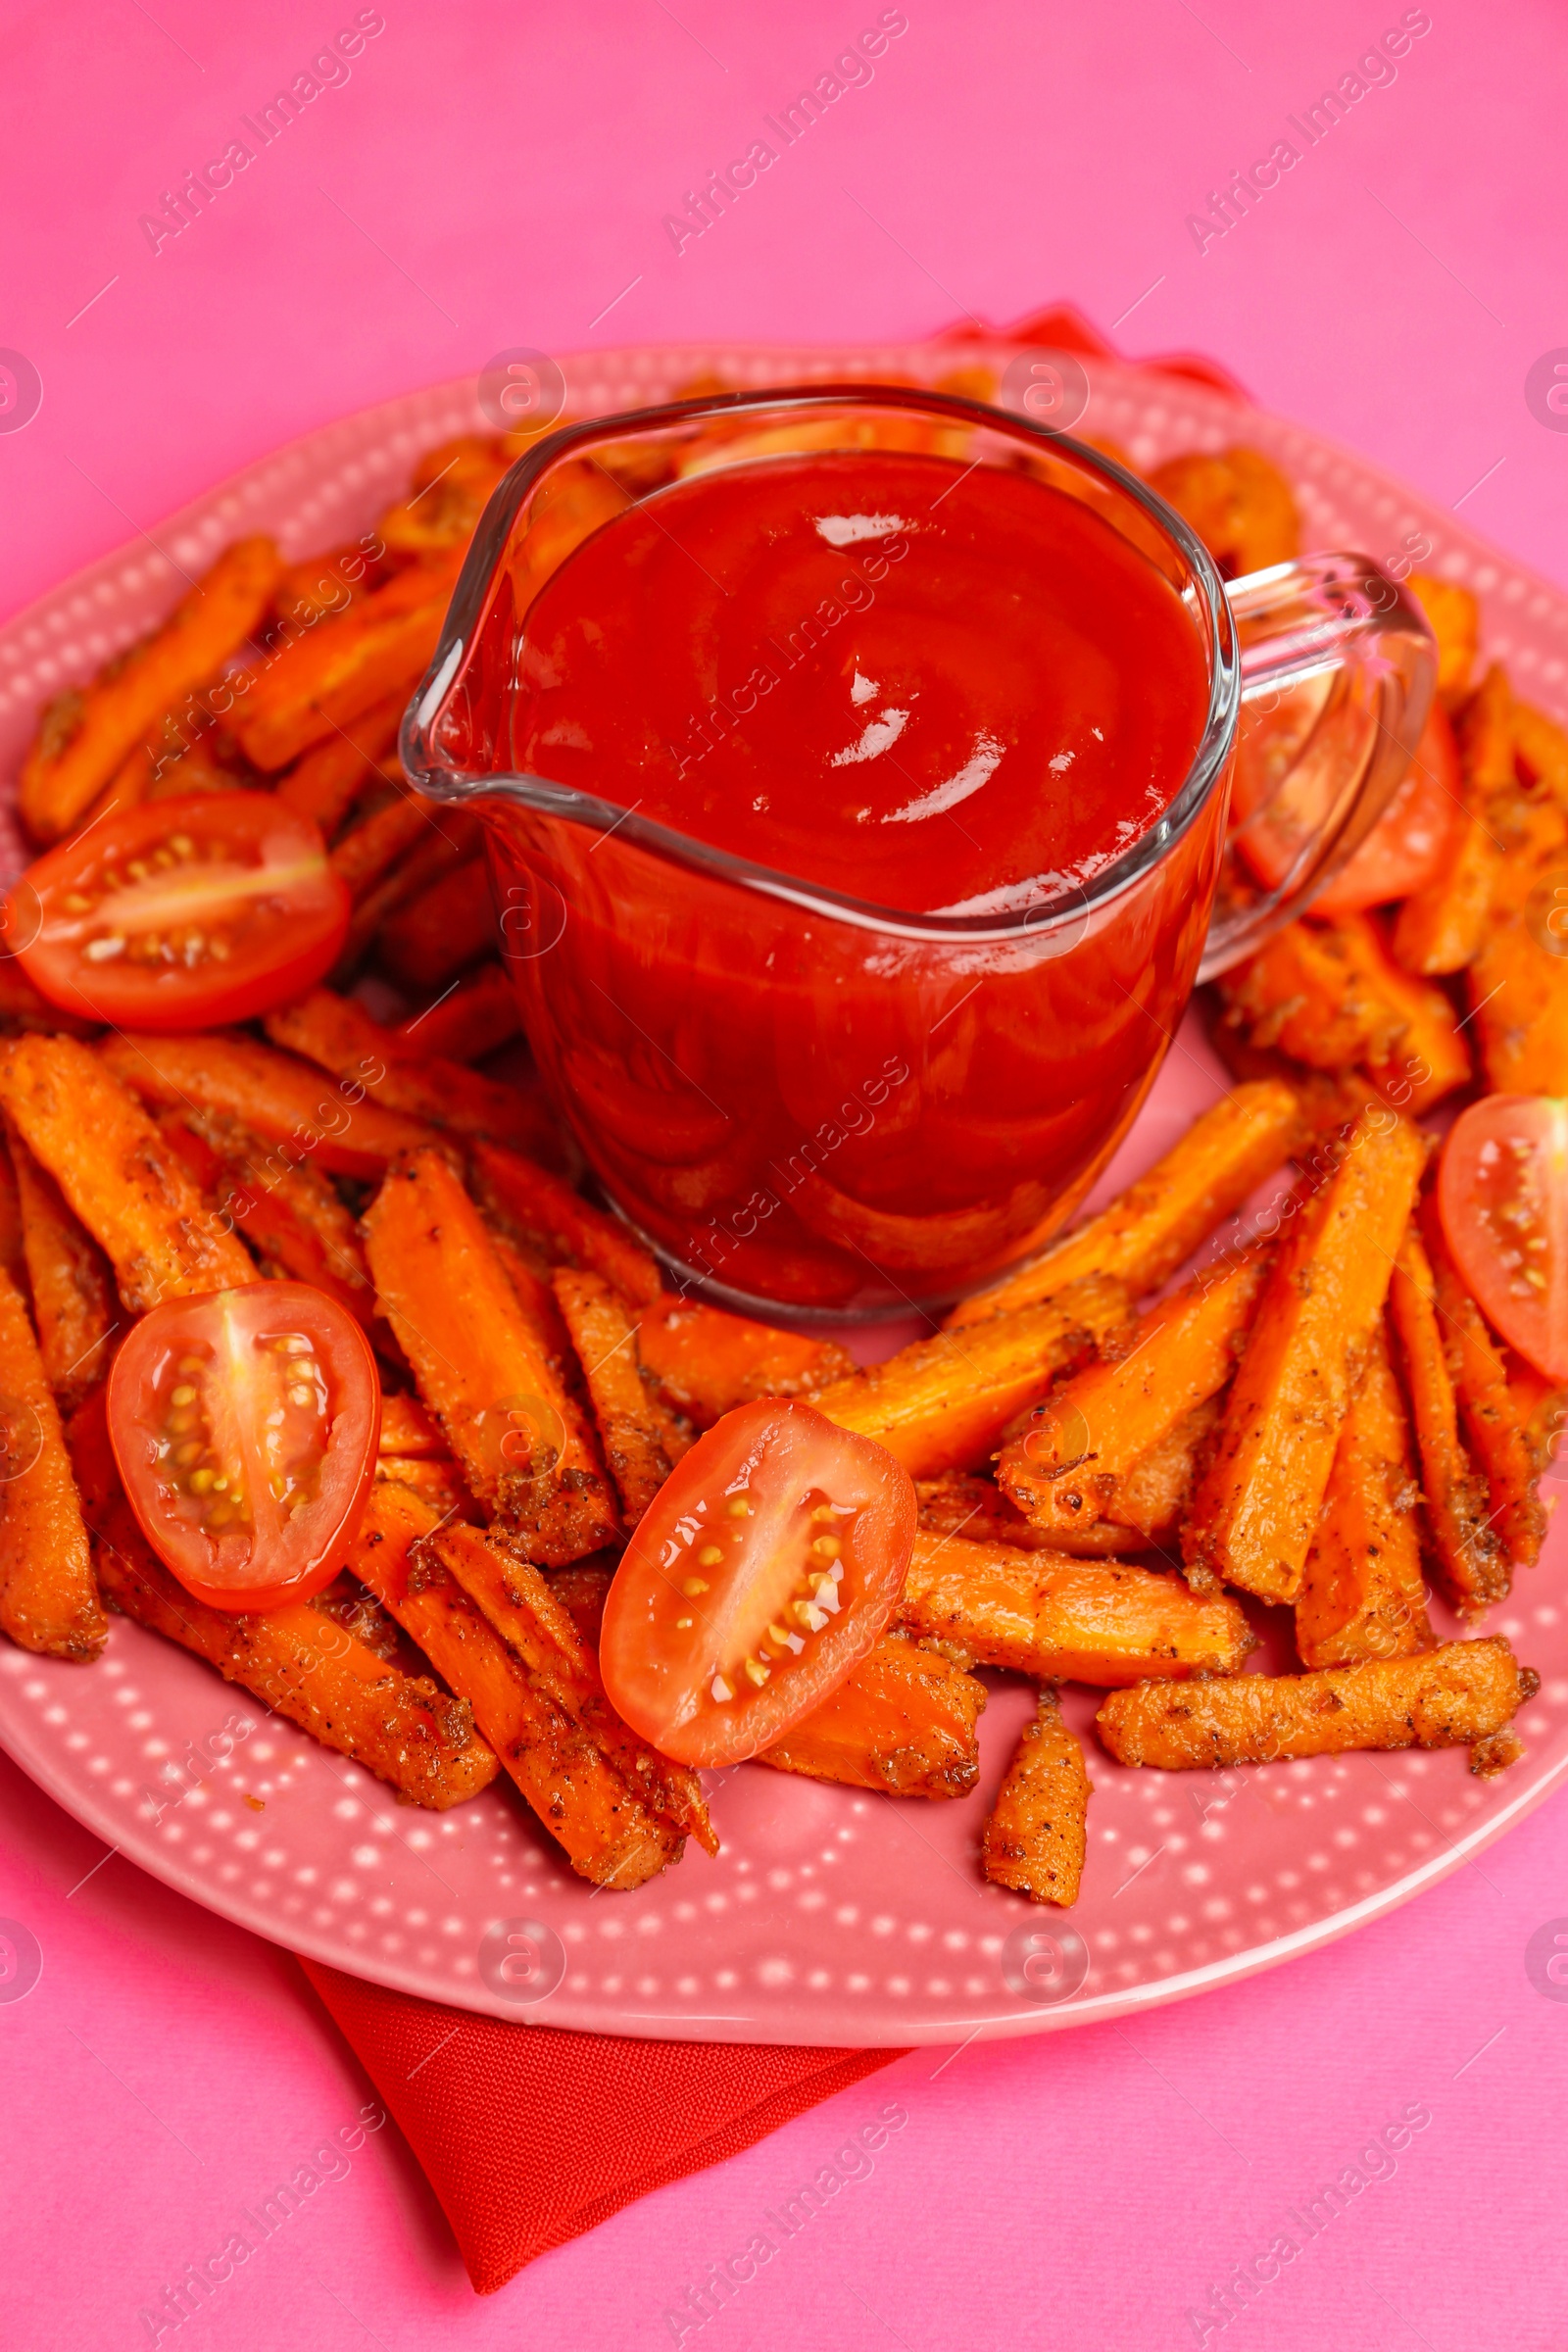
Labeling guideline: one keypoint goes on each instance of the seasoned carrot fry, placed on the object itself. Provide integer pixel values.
(1307, 993)
(282, 1100)
(559, 1226)
(481, 1366)
(1542, 747)
(441, 848)
(48, 1600)
(705, 1363)
(1443, 1697)
(1455, 621)
(1497, 1431)
(1255, 1509)
(1429, 1058)
(1362, 1595)
(86, 732)
(1541, 1410)
(1065, 1469)
(1518, 983)
(406, 1429)
(1329, 1101)
(338, 1034)
(322, 587)
(1442, 926)
(1067, 1620)
(904, 1722)
(13, 1254)
(117, 1173)
(365, 855)
(444, 930)
(1144, 1234)
(1467, 1556)
(326, 782)
(642, 1439)
(70, 1282)
(340, 670)
(1238, 502)
(542, 1634)
(582, 1591)
(469, 1021)
(22, 1007)
(1154, 1493)
(958, 1504)
(943, 1404)
(439, 1485)
(1036, 1834)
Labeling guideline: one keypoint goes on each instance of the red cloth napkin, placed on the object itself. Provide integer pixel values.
(531, 2134)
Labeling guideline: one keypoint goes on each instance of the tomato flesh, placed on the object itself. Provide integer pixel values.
(1503, 1195)
(767, 1566)
(181, 914)
(1406, 847)
(245, 1425)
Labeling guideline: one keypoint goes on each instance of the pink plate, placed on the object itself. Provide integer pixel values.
(830, 1916)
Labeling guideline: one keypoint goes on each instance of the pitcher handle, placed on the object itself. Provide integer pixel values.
(1337, 669)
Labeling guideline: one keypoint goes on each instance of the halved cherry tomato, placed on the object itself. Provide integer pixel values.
(1405, 848)
(245, 1425)
(1502, 1194)
(767, 1568)
(181, 914)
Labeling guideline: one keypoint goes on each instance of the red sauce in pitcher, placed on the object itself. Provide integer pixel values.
(928, 687)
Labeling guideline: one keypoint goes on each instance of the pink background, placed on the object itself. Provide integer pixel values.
(484, 182)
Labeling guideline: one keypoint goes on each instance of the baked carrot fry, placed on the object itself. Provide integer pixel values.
(542, 1634)
(439, 849)
(469, 1022)
(1441, 928)
(1497, 1431)
(1238, 502)
(608, 1834)
(367, 853)
(1443, 1697)
(86, 732)
(943, 1404)
(904, 1722)
(1541, 747)
(705, 1363)
(1455, 621)
(441, 932)
(338, 1034)
(958, 1504)
(284, 1100)
(406, 1429)
(481, 1366)
(558, 1225)
(1154, 1493)
(1329, 1101)
(1518, 985)
(23, 1007)
(1147, 1232)
(641, 1437)
(439, 1485)
(1362, 1595)
(1306, 992)
(1065, 1469)
(1067, 1620)
(1467, 1555)
(340, 670)
(48, 1600)
(1037, 1832)
(326, 781)
(117, 1173)
(70, 1282)
(1429, 1058)
(13, 1256)
(1256, 1507)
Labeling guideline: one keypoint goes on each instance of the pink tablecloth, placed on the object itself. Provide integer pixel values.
(488, 177)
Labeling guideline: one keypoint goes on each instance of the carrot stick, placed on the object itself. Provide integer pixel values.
(338, 1034)
(117, 1173)
(1518, 983)
(69, 1284)
(406, 1429)
(1036, 1834)
(943, 1404)
(1144, 1234)
(1065, 1469)
(86, 732)
(1253, 1515)
(1498, 1433)
(1540, 746)
(1156, 1492)
(904, 1722)
(1362, 1595)
(641, 1437)
(705, 1363)
(48, 1599)
(480, 1364)
(13, 1254)
(439, 1485)
(1441, 928)
(1467, 1556)
(1443, 1697)
(608, 1834)
(325, 782)
(958, 1504)
(1329, 1101)
(439, 849)
(274, 1096)
(440, 933)
(1306, 992)
(558, 1225)
(366, 854)
(1067, 1620)
(469, 1021)
(1455, 618)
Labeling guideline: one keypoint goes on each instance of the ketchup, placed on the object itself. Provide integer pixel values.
(926, 687)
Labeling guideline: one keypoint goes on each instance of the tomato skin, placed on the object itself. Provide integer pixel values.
(1502, 1195)
(259, 1343)
(248, 875)
(1404, 849)
(681, 1627)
